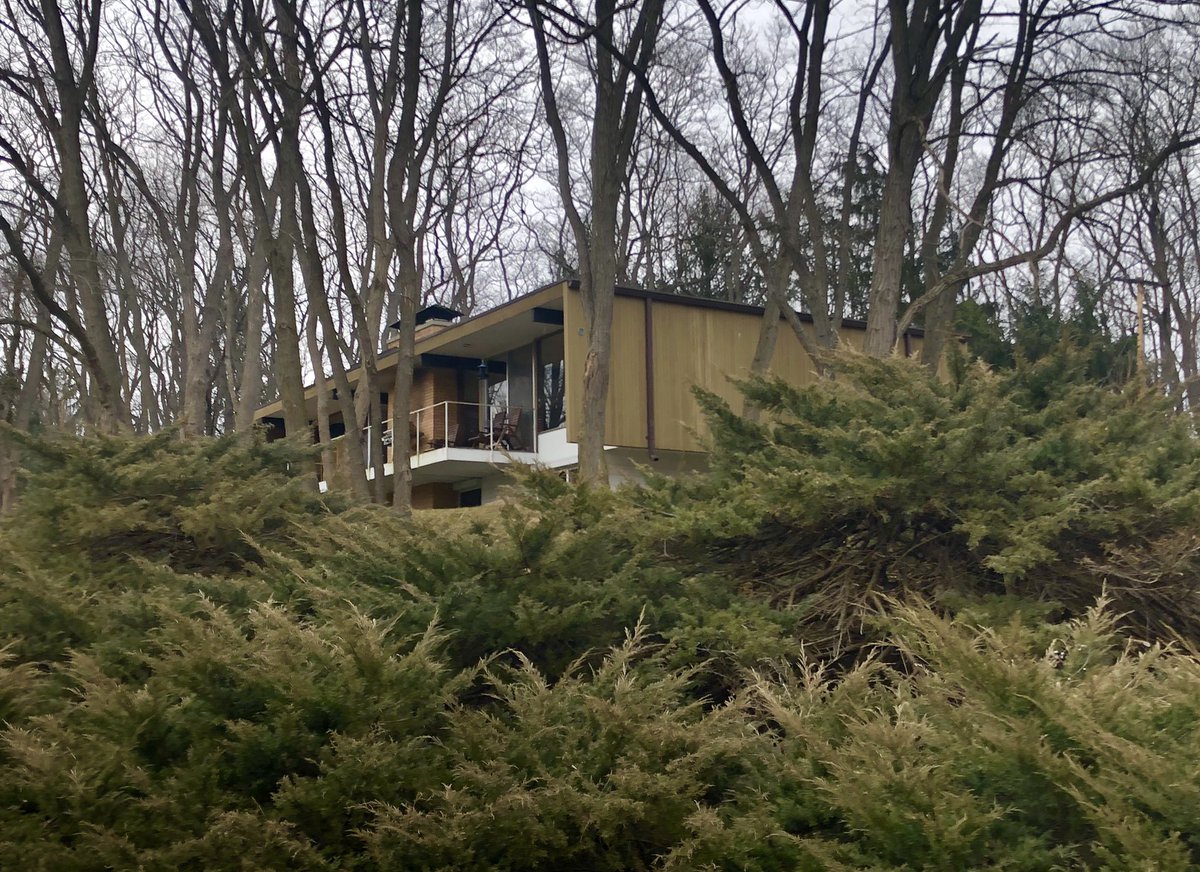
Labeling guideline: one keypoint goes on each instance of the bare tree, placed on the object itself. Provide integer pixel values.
(617, 105)
(776, 147)
(1050, 134)
(55, 83)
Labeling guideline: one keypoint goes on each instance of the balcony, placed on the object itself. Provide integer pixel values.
(450, 441)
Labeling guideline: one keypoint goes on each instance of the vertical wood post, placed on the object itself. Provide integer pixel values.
(1141, 336)
(651, 446)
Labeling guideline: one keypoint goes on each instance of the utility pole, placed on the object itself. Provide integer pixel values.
(1140, 284)
(1141, 336)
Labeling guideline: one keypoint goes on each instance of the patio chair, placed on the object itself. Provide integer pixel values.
(489, 438)
(509, 436)
(456, 437)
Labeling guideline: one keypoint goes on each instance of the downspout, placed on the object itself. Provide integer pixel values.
(651, 447)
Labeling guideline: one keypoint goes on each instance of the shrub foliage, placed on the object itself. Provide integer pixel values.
(901, 624)
(1034, 483)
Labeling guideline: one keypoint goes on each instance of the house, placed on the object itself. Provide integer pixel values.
(505, 386)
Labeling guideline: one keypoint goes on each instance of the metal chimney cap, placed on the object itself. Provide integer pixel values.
(432, 313)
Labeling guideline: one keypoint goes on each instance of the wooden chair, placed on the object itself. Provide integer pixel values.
(456, 437)
(490, 438)
(509, 436)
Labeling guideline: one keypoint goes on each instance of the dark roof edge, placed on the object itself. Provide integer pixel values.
(723, 305)
(678, 299)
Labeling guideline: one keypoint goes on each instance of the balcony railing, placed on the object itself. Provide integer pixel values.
(469, 425)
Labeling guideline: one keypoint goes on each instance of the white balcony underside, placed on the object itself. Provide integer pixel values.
(455, 464)
(451, 464)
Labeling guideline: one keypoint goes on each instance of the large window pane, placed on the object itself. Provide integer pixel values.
(552, 386)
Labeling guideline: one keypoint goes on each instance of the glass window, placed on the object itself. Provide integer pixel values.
(552, 387)
(497, 391)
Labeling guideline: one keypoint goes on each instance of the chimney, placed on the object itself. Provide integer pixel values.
(432, 319)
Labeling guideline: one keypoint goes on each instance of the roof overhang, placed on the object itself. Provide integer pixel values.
(485, 336)
(502, 329)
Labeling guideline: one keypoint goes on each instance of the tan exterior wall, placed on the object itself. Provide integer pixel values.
(435, 495)
(626, 410)
(693, 346)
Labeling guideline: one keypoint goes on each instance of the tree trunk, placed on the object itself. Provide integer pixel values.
(401, 398)
(764, 350)
(288, 369)
(895, 223)
(250, 386)
(83, 258)
(325, 463)
(593, 467)
(127, 287)
(939, 326)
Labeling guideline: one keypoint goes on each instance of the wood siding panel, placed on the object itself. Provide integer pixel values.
(626, 408)
(709, 348)
(693, 346)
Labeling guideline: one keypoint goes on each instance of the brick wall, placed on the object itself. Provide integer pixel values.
(431, 386)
